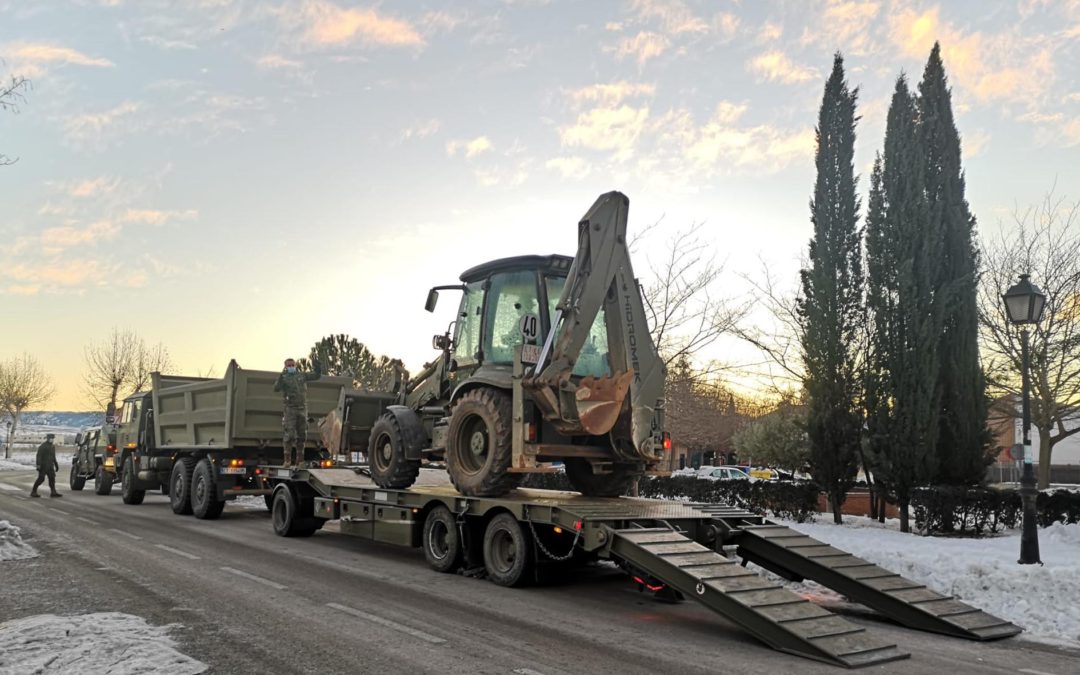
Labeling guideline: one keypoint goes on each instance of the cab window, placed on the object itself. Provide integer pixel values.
(594, 358)
(130, 413)
(511, 296)
(467, 338)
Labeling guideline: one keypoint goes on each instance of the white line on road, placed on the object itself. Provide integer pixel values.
(87, 520)
(59, 510)
(427, 637)
(265, 582)
(126, 534)
(12, 488)
(177, 551)
(1033, 672)
(527, 671)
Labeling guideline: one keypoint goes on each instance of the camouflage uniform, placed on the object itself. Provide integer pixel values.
(47, 467)
(293, 387)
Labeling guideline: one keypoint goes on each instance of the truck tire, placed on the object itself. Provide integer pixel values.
(205, 503)
(75, 481)
(269, 499)
(103, 481)
(442, 541)
(286, 516)
(127, 485)
(507, 551)
(180, 486)
(478, 445)
(386, 455)
(615, 484)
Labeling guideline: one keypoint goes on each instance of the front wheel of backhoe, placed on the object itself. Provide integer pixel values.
(389, 466)
(615, 484)
(478, 445)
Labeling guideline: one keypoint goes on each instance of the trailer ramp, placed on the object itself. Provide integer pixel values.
(795, 556)
(776, 616)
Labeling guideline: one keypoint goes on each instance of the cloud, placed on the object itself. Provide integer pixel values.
(156, 217)
(92, 128)
(57, 274)
(93, 187)
(847, 25)
(726, 25)
(974, 143)
(570, 167)
(32, 59)
(471, 148)
(770, 32)
(641, 47)
(673, 16)
(277, 61)
(327, 24)
(54, 239)
(421, 130)
(775, 66)
(616, 129)
(610, 94)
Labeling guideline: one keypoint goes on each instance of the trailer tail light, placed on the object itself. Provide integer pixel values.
(110, 447)
(326, 463)
(530, 432)
(667, 441)
(577, 525)
(236, 462)
(258, 472)
(651, 587)
(131, 445)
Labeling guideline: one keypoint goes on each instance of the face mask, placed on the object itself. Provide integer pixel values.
(291, 369)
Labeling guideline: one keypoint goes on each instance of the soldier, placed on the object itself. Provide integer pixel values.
(293, 386)
(46, 467)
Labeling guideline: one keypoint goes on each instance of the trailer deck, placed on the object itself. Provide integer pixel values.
(676, 546)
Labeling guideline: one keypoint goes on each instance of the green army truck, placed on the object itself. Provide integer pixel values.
(94, 459)
(201, 441)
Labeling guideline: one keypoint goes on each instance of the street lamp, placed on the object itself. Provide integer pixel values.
(1024, 303)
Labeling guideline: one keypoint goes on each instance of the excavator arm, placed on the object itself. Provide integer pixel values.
(628, 404)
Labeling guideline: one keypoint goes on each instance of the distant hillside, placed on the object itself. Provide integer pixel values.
(52, 418)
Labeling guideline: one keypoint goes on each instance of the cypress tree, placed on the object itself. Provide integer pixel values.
(831, 307)
(903, 250)
(963, 437)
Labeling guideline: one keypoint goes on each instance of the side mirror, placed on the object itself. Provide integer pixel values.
(78, 439)
(432, 300)
(441, 342)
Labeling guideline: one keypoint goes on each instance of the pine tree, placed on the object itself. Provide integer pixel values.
(963, 438)
(904, 248)
(830, 310)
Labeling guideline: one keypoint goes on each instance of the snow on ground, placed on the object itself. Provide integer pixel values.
(1043, 599)
(12, 547)
(24, 461)
(103, 642)
(253, 502)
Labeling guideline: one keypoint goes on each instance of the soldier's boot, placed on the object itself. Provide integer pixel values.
(34, 493)
(54, 493)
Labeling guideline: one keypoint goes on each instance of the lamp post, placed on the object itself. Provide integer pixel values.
(1024, 304)
(7, 441)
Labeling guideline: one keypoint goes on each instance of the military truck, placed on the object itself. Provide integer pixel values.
(549, 359)
(95, 451)
(202, 440)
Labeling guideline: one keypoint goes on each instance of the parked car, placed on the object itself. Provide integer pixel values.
(764, 473)
(721, 473)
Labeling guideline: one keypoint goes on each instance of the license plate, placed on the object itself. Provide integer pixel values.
(233, 469)
(530, 353)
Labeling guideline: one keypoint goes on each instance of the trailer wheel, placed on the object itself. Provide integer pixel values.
(128, 493)
(507, 551)
(286, 516)
(442, 541)
(75, 481)
(386, 455)
(204, 497)
(103, 481)
(580, 474)
(180, 486)
(478, 445)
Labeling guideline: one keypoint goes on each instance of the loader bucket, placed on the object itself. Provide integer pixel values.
(599, 401)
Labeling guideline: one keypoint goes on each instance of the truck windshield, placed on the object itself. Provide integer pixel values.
(594, 359)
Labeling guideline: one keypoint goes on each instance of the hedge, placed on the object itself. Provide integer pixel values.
(978, 511)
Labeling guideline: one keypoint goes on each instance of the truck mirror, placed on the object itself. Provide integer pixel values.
(432, 300)
(78, 438)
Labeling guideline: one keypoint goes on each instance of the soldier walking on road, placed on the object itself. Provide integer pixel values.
(46, 467)
(293, 386)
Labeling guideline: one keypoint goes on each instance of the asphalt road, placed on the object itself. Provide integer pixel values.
(252, 602)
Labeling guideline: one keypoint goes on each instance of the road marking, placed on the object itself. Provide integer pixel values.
(1033, 672)
(60, 510)
(126, 534)
(12, 488)
(265, 582)
(527, 671)
(87, 520)
(177, 551)
(427, 637)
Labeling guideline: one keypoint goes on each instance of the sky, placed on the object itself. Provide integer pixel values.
(236, 179)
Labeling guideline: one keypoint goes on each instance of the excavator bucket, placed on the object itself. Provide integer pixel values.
(600, 400)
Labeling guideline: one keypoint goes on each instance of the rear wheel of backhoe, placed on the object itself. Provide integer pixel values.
(615, 484)
(386, 455)
(478, 445)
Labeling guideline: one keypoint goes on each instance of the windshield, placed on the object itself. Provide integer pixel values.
(594, 359)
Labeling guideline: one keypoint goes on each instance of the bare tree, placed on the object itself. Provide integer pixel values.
(23, 383)
(120, 365)
(1045, 244)
(776, 335)
(148, 359)
(12, 94)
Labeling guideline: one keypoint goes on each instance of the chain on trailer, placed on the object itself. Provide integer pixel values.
(544, 549)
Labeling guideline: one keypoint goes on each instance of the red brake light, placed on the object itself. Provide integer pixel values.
(667, 441)
(651, 587)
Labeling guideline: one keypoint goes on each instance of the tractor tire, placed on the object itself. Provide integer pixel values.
(128, 492)
(615, 484)
(103, 481)
(205, 502)
(75, 481)
(386, 455)
(180, 486)
(442, 540)
(478, 445)
(287, 516)
(508, 551)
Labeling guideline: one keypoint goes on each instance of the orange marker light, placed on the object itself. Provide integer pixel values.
(558, 530)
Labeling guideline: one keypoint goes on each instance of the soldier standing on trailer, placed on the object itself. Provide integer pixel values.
(293, 387)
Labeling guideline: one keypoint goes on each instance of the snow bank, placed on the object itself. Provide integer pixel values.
(104, 642)
(1043, 600)
(12, 547)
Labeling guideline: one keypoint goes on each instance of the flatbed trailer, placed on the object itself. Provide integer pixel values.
(676, 549)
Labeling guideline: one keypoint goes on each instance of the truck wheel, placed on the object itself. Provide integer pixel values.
(386, 455)
(442, 541)
(127, 485)
(180, 486)
(614, 484)
(269, 499)
(204, 497)
(478, 446)
(286, 517)
(75, 481)
(103, 481)
(507, 551)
